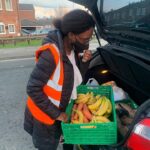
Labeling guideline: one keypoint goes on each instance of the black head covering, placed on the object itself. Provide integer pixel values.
(76, 21)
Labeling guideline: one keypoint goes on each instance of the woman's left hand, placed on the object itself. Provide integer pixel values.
(87, 55)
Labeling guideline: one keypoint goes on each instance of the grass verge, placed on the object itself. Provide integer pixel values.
(36, 42)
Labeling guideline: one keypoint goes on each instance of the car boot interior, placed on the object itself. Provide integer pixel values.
(129, 73)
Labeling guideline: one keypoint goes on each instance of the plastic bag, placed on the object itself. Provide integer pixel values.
(92, 82)
(119, 93)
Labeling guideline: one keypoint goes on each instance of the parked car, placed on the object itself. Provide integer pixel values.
(41, 31)
(25, 32)
(127, 59)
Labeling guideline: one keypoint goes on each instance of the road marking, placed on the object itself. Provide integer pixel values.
(17, 59)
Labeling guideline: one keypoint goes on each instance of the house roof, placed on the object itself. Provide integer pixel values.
(28, 23)
(43, 22)
(26, 7)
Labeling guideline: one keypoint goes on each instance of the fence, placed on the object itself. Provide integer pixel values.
(14, 41)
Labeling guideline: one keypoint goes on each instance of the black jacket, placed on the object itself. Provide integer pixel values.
(40, 75)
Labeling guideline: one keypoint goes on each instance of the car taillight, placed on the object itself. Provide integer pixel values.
(143, 131)
(140, 137)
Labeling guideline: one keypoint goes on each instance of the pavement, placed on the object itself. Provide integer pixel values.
(13, 53)
(26, 52)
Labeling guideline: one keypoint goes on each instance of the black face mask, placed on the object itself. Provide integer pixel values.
(79, 47)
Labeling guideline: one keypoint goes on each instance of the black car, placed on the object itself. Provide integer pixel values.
(126, 57)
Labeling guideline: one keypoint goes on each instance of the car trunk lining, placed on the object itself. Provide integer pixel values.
(129, 69)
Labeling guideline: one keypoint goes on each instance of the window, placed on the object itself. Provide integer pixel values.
(114, 16)
(107, 18)
(118, 15)
(138, 11)
(130, 12)
(2, 28)
(123, 15)
(1, 5)
(143, 11)
(11, 28)
(8, 5)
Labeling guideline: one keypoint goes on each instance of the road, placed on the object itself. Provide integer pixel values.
(15, 68)
(26, 52)
(14, 75)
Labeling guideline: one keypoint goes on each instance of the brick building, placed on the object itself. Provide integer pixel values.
(27, 17)
(26, 12)
(15, 18)
(9, 18)
(130, 13)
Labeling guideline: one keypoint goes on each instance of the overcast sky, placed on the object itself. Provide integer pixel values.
(115, 4)
(67, 3)
(48, 3)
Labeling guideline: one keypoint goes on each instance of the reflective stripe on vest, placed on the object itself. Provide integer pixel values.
(52, 89)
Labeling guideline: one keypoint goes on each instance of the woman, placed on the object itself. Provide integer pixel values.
(58, 71)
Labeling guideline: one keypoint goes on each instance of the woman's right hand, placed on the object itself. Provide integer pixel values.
(62, 117)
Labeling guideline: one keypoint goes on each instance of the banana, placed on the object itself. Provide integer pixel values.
(93, 120)
(93, 111)
(80, 114)
(97, 97)
(75, 121)
(83, 99)
(106, 115)
(91, 94)
(81, 96)
(93, 99)
(101, 119)
(109, 110)
(90, 98)
(103, 107)
(96, 105)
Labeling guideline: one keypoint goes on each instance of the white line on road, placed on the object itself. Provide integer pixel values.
(17, 59)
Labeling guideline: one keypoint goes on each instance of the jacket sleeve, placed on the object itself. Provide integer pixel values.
(38, 78)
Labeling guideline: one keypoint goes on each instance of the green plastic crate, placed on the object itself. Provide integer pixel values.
(130, 102)
(92, 133)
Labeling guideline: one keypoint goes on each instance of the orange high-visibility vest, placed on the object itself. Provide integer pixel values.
(52, 89)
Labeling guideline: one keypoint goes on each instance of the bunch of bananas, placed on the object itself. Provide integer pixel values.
(81, 117)
(101, 109)
(83, 98)
(91, 109)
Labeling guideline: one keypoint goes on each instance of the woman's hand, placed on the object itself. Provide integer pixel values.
(87, 55)
(62, 117)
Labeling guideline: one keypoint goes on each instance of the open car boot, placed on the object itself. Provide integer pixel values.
(124, 114)
(142, 113)
(130, 110)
